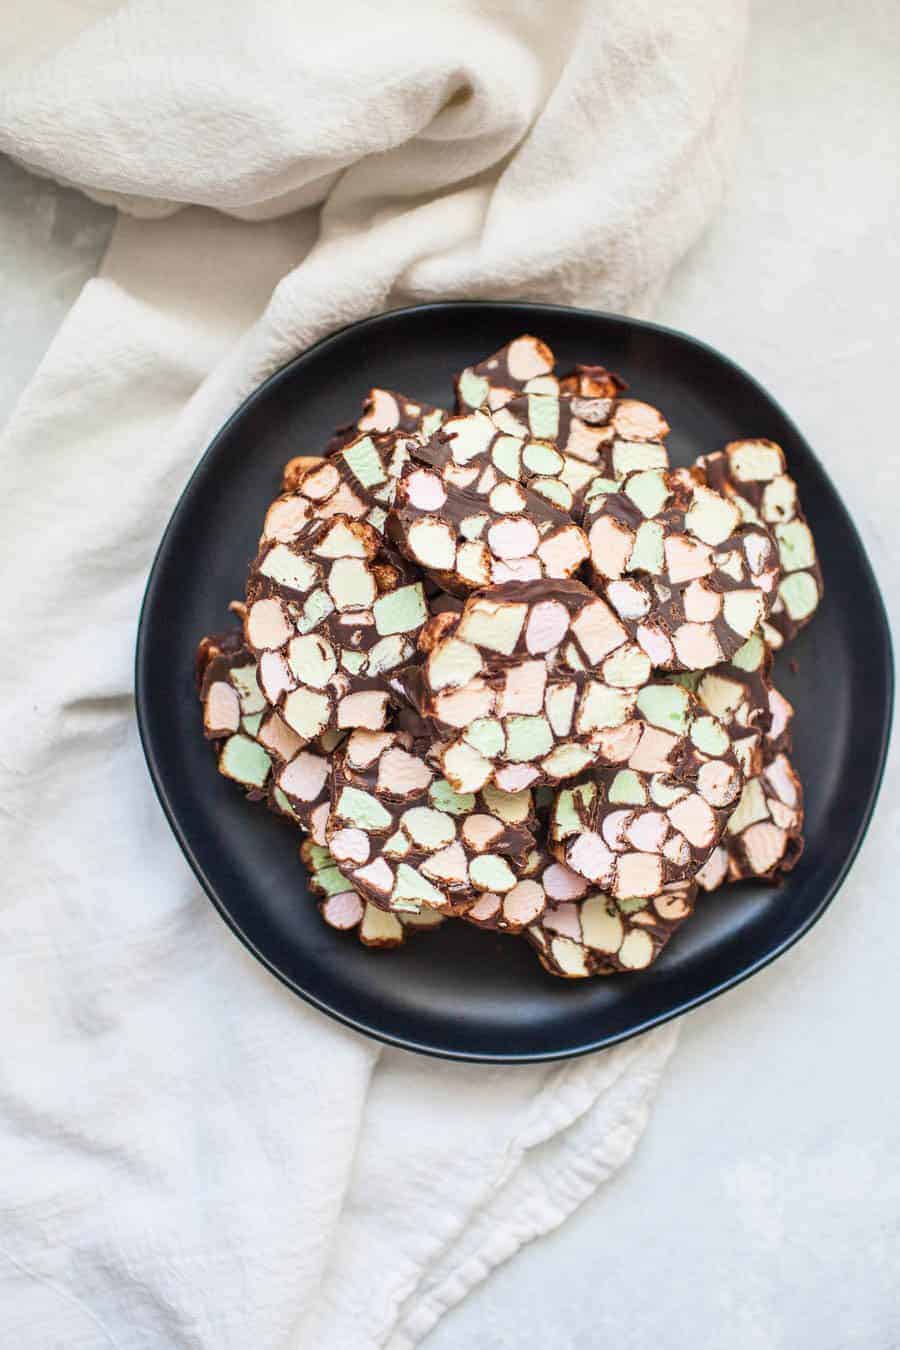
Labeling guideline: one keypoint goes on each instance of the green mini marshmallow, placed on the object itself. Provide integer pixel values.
(647, 553)
(647, 489)
(495, 627)
(626, 789)
(567, 759)
(311, 658)
(603, 707)
(542, 460)
(632, 905)
(376, 518)
(543, 416)
(486, 734)
(247, 686)
(397, 846)
(473, 389)
(445, 798)
(710, 517)
(800, 595)
(631, 456)
(364, 462)
(553, 491)
(317, 607)
(751, 807)
(353, 661)
(627, 668)
(573, 658)
(665, 794)
(709, 736)
(795, 546)
(319, 854)
(248, 691)
(742, 610)
(688, 679)
(579, 476)
(284, 805)
(307, 711)
(400, 611)
(331, 881)
(666, 706)
(505, 453)
(567, 817)
(362, 809)
(411, 885)
(751, 655)
(512, 807)
(490, 873)
(387, 653)
(251, 724)
(245, 761)
(428, 828)
(289, 569)
(527, 739)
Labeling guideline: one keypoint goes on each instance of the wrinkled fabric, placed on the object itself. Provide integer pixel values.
(193, 1156)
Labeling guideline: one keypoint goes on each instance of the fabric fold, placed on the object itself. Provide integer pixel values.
(198, 1158)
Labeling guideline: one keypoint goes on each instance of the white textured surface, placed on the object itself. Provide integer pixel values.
(761, 1211)
(51, 241)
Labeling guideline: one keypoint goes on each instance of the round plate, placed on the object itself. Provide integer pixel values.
(464, 993)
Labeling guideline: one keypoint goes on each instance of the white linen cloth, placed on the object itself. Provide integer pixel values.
(192, 1156)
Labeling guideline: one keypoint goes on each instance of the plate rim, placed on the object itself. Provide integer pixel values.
(360, 1025)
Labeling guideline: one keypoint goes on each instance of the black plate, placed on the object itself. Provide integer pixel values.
(463, 993)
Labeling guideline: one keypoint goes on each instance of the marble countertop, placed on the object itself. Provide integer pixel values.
(761, 1211)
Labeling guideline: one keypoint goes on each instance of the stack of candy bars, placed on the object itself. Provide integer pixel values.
(506, 665)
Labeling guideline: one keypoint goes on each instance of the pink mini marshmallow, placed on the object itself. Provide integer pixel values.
(548, 624)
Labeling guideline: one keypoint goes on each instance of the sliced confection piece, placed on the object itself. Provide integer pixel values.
(688, 578)
(407, 841)
(358, 481)
(530, 684)
(526, 363)
(764, 836)
(655, 816)
(753, 474)
(262, 753)
(385, 411)
(329, 615)
(601, 935)
(618, 436)
(344, 909)
(233, 710)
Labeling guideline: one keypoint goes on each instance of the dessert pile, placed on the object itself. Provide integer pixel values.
(504, 664)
